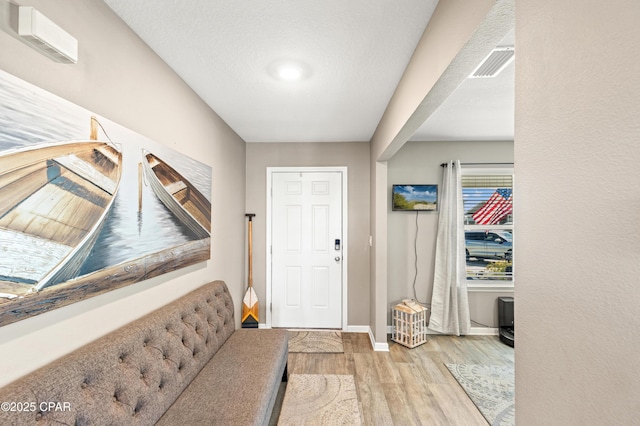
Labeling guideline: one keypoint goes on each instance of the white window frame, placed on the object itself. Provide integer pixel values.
(491, 285)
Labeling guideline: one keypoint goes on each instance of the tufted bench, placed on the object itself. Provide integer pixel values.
(183, 364)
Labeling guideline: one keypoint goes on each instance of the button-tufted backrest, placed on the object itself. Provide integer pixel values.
(132, 375)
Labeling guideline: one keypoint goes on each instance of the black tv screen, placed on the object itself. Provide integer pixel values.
(414, 197)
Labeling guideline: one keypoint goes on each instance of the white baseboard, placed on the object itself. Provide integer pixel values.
(357, 329)
(377, 346)
(483, 331)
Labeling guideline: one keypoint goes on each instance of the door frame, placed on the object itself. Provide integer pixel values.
(345, 232)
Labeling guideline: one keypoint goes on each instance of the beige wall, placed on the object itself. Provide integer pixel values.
(353, 155)
(458, 36)
(120, 78)
(451, 26)
(577, 150)
(419, 162)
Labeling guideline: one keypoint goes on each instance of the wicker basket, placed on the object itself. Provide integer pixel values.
(409, 325)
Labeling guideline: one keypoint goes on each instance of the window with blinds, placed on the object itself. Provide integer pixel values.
(488, 216)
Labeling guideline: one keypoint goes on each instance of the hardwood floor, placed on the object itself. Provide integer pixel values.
(407, 386)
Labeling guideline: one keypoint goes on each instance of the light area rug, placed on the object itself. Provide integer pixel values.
(315, 341)
(320, 399)
(491, 388)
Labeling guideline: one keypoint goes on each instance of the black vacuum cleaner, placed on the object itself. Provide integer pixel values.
(505, 320)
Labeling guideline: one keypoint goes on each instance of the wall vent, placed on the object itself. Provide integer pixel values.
(46, 36)
(495, 62)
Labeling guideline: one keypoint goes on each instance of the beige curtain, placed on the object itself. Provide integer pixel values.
(449, 302)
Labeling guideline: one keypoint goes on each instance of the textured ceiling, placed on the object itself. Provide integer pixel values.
(479, 109)
(354, 53)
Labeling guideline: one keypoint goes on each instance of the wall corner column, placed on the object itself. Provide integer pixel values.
(379, 277)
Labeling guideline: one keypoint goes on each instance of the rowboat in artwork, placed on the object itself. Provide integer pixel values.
(179, 195)
(55, 200)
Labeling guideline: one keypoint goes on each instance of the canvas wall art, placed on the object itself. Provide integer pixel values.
(86, 205)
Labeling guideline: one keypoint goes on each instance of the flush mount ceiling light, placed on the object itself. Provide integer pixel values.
(289, 70)
(495, 62)
(289, 73)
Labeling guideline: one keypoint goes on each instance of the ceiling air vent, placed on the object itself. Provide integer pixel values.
(46, 36)
(497, 60)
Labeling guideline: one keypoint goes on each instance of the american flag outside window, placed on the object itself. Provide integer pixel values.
(497, 207)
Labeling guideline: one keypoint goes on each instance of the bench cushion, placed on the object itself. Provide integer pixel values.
(134, 374)
(238, 386)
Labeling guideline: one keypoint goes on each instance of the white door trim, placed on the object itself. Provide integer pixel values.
(345, 233)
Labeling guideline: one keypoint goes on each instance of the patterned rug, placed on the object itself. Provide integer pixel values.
(491, 388)
(320, 399)
(315, 341)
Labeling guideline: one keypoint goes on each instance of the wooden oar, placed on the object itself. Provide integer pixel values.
(250, 302)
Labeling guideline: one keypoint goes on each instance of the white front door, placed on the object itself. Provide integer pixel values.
(306, 252)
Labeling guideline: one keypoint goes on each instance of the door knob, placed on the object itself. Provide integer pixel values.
(337, 258)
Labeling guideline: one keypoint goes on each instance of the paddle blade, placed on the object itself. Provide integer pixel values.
(250, 309)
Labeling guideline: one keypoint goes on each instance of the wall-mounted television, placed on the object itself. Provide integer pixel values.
(414, 197)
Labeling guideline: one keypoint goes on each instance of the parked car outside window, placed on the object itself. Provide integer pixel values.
(489, 244)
